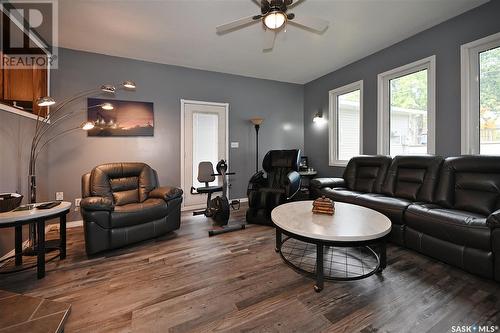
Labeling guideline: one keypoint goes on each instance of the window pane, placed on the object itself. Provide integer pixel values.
(348, 125)
(489, 102)
(408, 111)
(205, 141)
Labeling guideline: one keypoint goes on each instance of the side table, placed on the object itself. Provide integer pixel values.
(17, 219)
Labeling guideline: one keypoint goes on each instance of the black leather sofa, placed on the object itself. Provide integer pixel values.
(122, 203)
(448, 208)
(281, 185)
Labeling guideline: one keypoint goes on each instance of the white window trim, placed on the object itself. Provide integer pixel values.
(469, 59)
(383, 116)
(333, 121)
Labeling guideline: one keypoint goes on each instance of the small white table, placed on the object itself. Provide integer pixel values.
(17, 219)
(350, 226)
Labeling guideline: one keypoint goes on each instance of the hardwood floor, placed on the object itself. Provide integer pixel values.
(188, 282)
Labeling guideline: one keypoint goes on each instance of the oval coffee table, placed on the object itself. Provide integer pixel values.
(351, 226)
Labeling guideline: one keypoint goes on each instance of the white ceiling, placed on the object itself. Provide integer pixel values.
(182, 32)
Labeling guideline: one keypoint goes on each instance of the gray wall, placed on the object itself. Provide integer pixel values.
(281, 104)
(444, 41)
(16, 133)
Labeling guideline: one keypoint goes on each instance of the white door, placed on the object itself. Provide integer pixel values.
(204, 139)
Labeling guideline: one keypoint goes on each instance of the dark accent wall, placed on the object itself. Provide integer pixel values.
(444, 41)
(280, 104)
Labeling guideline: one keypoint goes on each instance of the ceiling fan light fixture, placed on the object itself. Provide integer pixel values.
(275, 19)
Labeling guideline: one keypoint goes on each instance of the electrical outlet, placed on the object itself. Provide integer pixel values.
(60, 196)
(77, 202)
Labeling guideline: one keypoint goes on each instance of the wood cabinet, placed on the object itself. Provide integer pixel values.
(25, 86)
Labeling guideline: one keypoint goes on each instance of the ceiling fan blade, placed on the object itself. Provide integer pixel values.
(257, 2)
(269, 37)
(295, 3)
(311, 23)
(237, 24)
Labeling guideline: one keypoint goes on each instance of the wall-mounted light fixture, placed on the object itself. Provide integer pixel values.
(318, 118)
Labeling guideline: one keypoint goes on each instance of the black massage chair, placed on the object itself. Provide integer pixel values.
(280, 185)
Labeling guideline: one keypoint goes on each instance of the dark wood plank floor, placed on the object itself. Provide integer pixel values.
(189, 282)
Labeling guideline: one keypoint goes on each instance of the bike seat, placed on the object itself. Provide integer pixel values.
(209, 189)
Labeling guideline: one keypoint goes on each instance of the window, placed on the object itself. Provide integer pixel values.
(406, 104)
(346, 119)
(481, 96)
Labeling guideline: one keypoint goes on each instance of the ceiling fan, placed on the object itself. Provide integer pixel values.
(274, 18)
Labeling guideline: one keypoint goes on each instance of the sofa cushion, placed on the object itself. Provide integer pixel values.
(413, 177)
(451, 225)
(366, 173)
(341, 194)
(137, 213)
(470, 183)
(391, 207)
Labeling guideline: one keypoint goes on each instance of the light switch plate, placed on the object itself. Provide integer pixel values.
(235, 144)
(60, 196)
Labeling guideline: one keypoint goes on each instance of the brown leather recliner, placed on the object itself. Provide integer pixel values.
(122, 203)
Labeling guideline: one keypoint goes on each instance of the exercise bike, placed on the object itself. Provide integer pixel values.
(218, 208)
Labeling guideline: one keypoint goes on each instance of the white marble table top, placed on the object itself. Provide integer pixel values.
(23, 215)
(350, 223)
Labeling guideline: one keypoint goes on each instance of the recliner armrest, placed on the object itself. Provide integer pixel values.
(97, 203)
(327, 182)
(493, 221)
(256, 181)
(166, 193)
(292, 184)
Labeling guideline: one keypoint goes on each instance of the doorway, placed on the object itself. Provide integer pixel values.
(204, 137)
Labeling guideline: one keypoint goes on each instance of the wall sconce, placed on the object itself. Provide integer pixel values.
(318, 118)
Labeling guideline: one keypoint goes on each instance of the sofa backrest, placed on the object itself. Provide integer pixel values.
(413, 177)
(470, 183)
(123, 183)
(366, 173)
(278, 163)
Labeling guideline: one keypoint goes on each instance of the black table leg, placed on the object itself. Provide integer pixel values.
(62, 236)
(278, 240)
(40, 263)
(18, 235)
(383, 255)
(319, 268)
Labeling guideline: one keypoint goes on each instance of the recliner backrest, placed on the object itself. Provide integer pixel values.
(413, 177)
(366, 173)
(206, 172)
(470, 183)
(123, 183)
(278, 163)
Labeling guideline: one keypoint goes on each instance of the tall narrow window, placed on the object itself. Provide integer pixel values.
(346, 117)
(481, 96)
(406, 109)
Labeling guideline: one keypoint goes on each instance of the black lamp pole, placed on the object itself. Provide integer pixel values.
(257, 127)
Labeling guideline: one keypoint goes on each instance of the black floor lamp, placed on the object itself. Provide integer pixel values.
(256, 123)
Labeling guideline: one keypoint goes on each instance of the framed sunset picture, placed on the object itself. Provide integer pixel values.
(113, 117)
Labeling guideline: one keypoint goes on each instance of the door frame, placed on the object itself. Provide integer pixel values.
(182, 152)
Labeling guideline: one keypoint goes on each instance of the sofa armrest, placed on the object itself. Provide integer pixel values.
(97, 203)
(493, 221)
(292, 184)
(166, 193)
(327, 182)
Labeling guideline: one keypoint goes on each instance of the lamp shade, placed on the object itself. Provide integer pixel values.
(45, 101)
(129, 84)
(257, 120)
(275, 20)
(87, 125)
(318, 118)
(107, 106)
